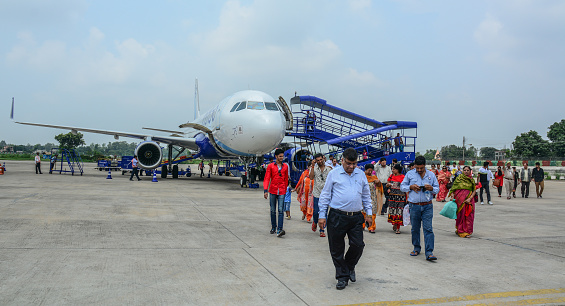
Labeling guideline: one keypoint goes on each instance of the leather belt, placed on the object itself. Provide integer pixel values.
(347, 213)
(421, 203)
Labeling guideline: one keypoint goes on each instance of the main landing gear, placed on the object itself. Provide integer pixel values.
(166, 169)
(247, 179)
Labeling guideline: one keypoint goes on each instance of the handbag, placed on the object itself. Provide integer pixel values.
(406, 215)
(496, 182)
(449, 210)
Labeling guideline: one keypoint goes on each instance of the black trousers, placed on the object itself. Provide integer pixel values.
(385, 200)
(37, 168)
(134, 172)
(339, 225)
(487, 189)
(525, 188)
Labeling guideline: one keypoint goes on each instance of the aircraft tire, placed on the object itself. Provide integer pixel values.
(243, 181)
(164, 171)
(175, 171)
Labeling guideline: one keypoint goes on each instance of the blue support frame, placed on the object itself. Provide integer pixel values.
(317, 122)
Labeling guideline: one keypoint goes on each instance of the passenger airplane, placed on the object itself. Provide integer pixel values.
(244, 126)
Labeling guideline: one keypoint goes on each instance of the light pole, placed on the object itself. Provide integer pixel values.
(464, 149)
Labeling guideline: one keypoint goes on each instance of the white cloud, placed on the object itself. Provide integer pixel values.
(89, 64)
(364, 79)
(40, 57)
(95, 37)
(493, 37)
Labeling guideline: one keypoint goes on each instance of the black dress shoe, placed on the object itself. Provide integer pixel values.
(352, 276)
(341, 284)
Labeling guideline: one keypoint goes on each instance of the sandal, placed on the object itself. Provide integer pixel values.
(414, 253)
(322, 234)
(372, 231)
(398, 231)
(431, 258)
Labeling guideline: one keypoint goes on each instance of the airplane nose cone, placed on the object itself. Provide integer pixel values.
(260, 134)
(268, 132)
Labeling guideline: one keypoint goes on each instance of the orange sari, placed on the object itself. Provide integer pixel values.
(377, 205)
(304, 196)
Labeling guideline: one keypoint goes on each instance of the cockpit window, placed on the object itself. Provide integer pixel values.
(255, 105)
(241, 106)
(271, 106)
(234, 107)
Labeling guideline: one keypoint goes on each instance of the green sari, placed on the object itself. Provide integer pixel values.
(463, 182)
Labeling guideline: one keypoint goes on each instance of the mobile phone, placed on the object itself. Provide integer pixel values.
(423, 188)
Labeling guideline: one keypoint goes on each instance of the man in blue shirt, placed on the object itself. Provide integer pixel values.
(422, 185)
(346, 193)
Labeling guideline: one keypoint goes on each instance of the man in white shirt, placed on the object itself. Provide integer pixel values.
(344, 196)
(508, 181)
(134, 169)
(37, 163)
(484, 177)
(383, 173)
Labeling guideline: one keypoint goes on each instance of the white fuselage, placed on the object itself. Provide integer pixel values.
(247, 123)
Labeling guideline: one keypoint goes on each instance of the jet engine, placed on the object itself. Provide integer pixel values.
(149, 155)
(297, 157)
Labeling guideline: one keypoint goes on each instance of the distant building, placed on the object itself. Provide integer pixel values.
(500, 155)
(7, 149)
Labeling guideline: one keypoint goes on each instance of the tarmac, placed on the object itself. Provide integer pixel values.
(77, 240)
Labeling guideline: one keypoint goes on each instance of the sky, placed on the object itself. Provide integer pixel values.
(486, 70)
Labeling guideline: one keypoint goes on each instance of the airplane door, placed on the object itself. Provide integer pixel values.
(287, 113)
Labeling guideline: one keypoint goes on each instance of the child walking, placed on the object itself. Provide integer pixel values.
(287, 202)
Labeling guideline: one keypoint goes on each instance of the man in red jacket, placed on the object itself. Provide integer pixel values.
(275, 183)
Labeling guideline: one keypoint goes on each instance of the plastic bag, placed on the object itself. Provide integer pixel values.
(406, 215)
(449, 210)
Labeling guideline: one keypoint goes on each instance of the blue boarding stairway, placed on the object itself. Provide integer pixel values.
(68, 157)
(318, 123)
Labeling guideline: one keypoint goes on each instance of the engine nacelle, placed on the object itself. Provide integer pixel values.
(297, 158)
(149, 155)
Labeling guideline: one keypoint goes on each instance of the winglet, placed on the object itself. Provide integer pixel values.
(12, 112)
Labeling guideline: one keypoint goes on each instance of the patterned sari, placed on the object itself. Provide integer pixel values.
(396, 200)
(462, 189)
(375, 200)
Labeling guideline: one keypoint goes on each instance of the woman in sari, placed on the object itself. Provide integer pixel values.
(305, 197)
(463, 191)
(396, 198)
(443, 180)
(499, 175)
(372, 179)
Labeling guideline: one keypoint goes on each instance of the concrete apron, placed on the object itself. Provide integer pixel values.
(87, 240)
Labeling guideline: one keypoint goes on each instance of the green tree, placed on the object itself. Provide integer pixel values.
(451, 152)
(488, 152)
(471, 152)
(70, 140)
(429, 155)
(531, 144)
(556, 134)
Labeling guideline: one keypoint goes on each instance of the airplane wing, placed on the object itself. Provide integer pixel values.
(189, 143)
